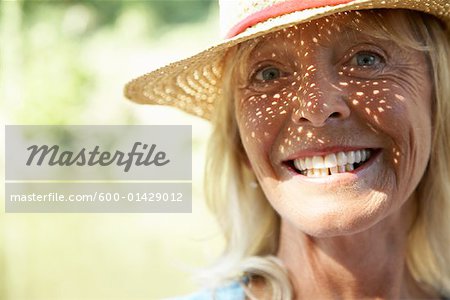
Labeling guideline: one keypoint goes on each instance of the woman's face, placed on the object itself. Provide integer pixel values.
(336, 123)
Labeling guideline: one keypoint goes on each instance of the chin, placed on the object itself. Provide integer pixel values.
(331, 218)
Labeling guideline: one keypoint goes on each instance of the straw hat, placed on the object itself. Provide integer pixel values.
(193, 84)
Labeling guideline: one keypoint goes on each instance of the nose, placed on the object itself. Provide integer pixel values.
(319, 106)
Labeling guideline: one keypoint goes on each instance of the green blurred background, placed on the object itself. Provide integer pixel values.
(65, 62)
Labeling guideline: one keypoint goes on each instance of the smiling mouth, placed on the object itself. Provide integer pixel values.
(333, 163)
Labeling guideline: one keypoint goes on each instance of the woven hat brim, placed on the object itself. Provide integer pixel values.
(193, 84)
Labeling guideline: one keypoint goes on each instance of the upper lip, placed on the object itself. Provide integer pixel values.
(324, 151)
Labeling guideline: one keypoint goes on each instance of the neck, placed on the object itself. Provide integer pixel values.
(366, 265)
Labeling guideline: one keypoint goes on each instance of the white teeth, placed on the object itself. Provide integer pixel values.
(351, 157)
(363, 155)
(333, 163)
(302, 164)
(330, 160)
(308, 163)
(341, 158)
(298, 164)
(317, 162)
(357, 156)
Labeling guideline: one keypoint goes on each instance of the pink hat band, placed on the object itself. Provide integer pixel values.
(279, 9)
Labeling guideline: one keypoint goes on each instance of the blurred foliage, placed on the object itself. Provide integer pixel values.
(65, 62)
(165, 12)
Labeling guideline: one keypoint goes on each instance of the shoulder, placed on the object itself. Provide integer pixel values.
(232, 291)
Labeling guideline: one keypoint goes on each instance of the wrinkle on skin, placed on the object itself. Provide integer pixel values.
(320, 97)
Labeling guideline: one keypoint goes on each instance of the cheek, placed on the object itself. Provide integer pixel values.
(260, 118)
(404, 117)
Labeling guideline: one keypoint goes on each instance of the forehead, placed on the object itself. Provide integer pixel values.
(340, 27)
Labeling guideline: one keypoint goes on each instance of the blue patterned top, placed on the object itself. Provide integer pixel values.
(233, 291)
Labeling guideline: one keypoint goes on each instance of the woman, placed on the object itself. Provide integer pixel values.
(331, 127)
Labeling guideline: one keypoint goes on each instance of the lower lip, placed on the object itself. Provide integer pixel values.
(339, 178)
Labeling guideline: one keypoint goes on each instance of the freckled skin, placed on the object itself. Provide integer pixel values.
(324, 98)
(309, 87)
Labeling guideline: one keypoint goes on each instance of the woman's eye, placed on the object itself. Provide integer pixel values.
(366, 59)
(268, 74)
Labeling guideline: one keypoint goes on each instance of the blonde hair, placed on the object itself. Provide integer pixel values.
(251, 226)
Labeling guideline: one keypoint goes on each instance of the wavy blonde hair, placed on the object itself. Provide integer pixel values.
(251, 226)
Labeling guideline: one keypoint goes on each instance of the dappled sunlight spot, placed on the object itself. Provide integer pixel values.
(302, 113)
(375, 117)
(376, 92)
(355, 102)
(336, 87)
(380, 109)
(309, 134)
(367, 110)
(399, 97)
(343, 83)
(372, 128)
(359, 94)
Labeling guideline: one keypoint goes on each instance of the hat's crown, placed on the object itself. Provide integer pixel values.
(234, 11)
